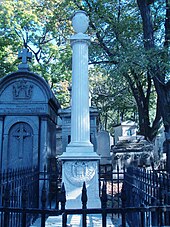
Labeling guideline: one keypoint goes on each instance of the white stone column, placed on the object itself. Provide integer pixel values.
(80, 145)
(80, 127)
(80, 162)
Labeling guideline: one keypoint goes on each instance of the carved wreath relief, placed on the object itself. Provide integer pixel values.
(22, 90)
(78, 172)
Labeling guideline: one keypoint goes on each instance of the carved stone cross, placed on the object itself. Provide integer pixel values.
(20, 135)
(24, 55)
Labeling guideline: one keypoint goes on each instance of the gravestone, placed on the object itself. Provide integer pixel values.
(28, 118)
(103, 147)
(130, 148)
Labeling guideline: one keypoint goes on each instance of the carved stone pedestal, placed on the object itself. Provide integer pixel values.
(74, 173)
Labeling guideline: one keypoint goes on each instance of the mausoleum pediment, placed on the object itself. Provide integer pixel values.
(26, 90)
(24, 86)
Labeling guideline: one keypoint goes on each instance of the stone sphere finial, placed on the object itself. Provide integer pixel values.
(80, 21)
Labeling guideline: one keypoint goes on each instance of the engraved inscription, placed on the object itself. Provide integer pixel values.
(23, 110)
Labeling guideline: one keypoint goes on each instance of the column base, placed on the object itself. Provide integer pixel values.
(80, 152)
(74, 173)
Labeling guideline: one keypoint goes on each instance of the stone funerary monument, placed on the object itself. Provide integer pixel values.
(80, 161)
(28, 118)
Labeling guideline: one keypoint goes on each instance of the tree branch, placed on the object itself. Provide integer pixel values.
(103, 62)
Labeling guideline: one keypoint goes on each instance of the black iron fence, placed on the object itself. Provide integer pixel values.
(14, 182)
(148, 190)
(18, 188)
(113, 178)
(137, 197)
(124, 212)
(27, 188)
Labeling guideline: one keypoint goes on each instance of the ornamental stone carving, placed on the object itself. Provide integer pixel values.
(22, 89)
(77, 172)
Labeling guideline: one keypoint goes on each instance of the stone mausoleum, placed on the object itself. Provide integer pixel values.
(28, 119)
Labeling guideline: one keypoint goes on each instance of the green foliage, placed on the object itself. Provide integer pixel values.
(112, 97)
(44, 28)
(121, 69)
(118, 47)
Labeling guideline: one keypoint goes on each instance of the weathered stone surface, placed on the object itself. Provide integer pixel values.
(138, 152)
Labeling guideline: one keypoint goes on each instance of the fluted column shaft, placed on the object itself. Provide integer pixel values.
(80, 146)
(80, 120)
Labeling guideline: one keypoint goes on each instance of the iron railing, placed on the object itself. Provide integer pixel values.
(27, 188)
(143, 197)
(144, 188)
(145, 215)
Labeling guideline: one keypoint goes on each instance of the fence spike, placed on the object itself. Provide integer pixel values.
(7, 175)
(7, 195)
(63, 197)
(3, 176)
(57, 197)
(44, 196)
(123, 196)
(24, 196)
(84, 196)
(104, 196)
(152, 165)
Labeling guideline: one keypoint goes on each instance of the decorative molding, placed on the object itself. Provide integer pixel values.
(24, 109)
(22, 89)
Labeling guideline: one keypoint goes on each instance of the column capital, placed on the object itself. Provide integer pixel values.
(80, 38)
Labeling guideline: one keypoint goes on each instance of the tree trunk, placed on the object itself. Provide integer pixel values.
(142, 100)
(163, 91)
(147, 24)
